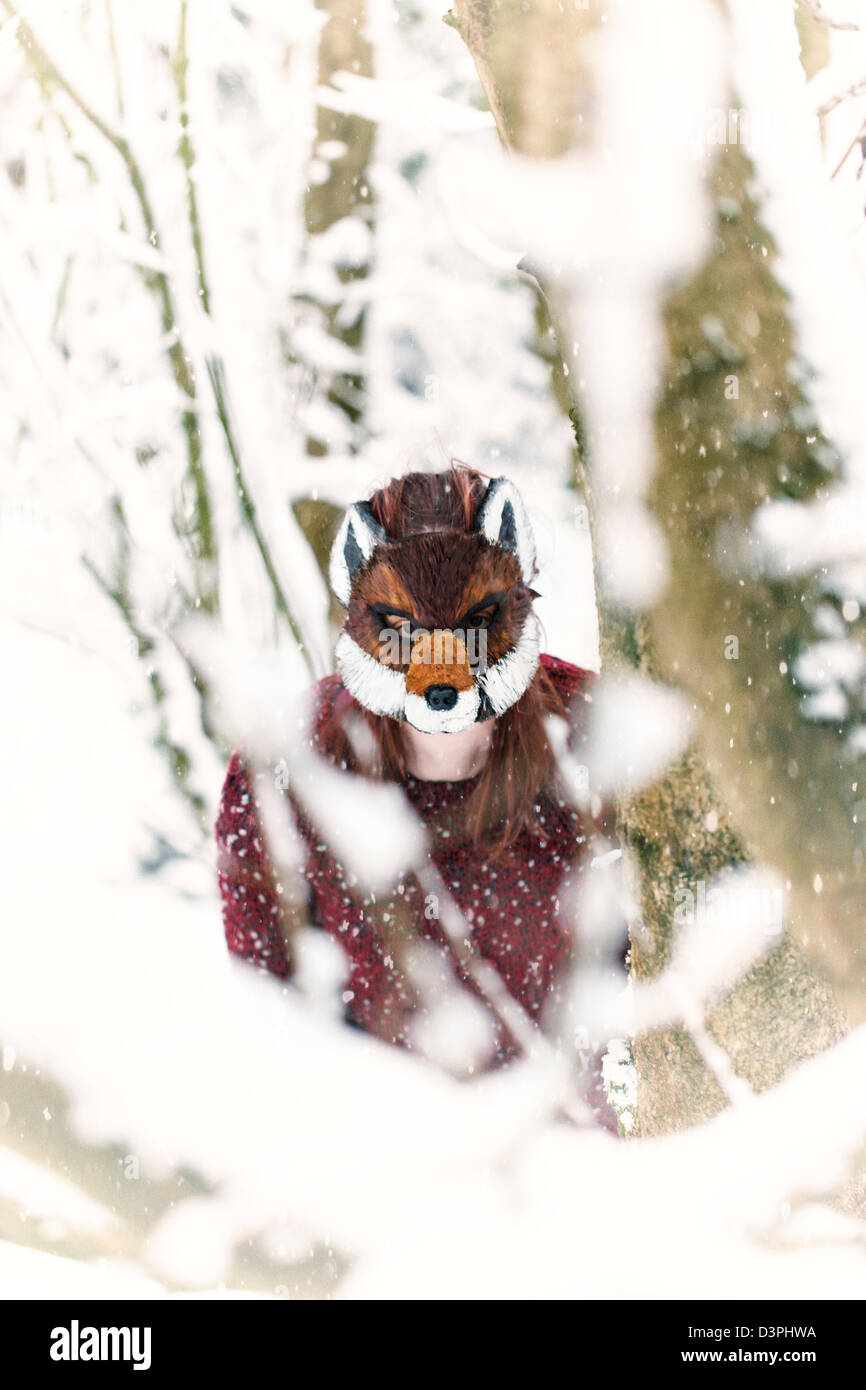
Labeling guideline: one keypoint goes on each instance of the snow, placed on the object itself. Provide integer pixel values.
(637, 728)
(832, 660)
(727, 925)
(340, 807)
(817, 263)
(35, 1274)
(52, 1202)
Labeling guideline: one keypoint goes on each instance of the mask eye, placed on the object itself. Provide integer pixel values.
(398, 623)
(395, 632)
(483, 618)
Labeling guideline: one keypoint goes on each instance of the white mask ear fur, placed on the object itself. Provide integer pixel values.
(503, 520)
(358, 535)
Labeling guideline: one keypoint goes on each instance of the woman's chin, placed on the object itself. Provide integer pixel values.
(456, 728)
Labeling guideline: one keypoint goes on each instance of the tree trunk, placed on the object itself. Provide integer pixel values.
(760, 781)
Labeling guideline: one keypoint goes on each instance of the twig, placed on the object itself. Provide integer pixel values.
(201, 531)
(470, 25)
(205, 548)
(503, 1006)
(735, 1089)
(818, 13)
(214, 364)
(855, 90)
(216, 377)
(511, 1016)
(118, 592)
(180, 67)
(115, 60)
(853, 144)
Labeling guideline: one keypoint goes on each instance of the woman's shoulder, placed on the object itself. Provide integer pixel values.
(570, 690)
(331, 702)
(570, 682)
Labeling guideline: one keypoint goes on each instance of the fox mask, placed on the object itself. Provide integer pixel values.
(439, 626)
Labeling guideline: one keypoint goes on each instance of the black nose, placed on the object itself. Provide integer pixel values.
(441, 696)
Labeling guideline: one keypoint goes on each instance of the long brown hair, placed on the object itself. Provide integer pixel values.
(519, 778)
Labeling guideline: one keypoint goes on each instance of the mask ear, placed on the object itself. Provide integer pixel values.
(502, 519)
(354, 543)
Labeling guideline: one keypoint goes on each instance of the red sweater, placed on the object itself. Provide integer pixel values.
(512, 903)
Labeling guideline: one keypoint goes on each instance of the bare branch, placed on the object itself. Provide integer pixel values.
(855, 90)
(819, 14)
(201, 534)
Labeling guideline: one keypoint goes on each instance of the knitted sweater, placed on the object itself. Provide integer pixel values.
(513, 903)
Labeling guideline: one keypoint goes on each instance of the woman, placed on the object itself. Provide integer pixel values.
(440, 656)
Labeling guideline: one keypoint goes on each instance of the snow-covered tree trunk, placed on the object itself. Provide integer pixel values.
(733, 429)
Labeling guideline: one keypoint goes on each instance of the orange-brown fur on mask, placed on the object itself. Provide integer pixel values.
(439, 626)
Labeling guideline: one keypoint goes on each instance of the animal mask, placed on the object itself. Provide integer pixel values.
(439, 627)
